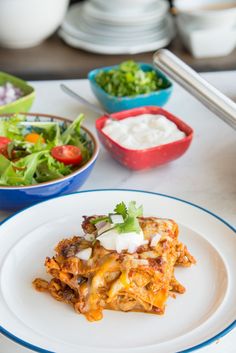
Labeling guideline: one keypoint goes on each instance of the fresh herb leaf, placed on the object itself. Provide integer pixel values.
(50, 169)
(73, 136)
(4, 164)
(128, 80)
(134, 211)
(129, 214)
(73, 130)
(8, 174)
(131, 223)
(121, 209)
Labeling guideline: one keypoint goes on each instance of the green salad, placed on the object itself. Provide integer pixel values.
(37, 151)
(128, 80)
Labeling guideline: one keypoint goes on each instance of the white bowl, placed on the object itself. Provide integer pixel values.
(123, 5)
(207, 13)
(202, 42)
(26, 23)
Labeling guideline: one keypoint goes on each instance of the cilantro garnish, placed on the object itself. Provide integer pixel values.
(131, 223)
(130, 216)
(121, 209)
(129, 79)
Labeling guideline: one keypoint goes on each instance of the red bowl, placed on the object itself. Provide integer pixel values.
(149, 157)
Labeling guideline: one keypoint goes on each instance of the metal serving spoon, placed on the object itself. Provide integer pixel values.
(189, 79)
(84, 101)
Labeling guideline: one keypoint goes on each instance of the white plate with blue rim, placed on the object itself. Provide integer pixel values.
(206, 312)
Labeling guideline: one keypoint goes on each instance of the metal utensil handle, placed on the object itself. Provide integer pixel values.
(189, 79)
(83, 100)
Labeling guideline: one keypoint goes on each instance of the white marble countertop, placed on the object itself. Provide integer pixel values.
(205, 175)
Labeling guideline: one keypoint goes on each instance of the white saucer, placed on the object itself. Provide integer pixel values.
(75, 22)
(113, 48)
(112, 37)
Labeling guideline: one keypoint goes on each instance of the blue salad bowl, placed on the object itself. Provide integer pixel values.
(114, 104)
(13, 198)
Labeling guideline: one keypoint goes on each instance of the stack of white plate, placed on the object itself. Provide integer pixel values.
(118, 26)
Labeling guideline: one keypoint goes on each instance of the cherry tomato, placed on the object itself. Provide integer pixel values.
(33, 137)
(67, 154)
(4, 141)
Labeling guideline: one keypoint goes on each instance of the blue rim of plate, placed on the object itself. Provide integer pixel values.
(188, 350)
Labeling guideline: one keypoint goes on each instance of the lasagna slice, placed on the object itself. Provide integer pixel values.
(93, 275)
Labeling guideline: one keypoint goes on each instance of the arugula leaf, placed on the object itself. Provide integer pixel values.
(8, 175)
(4, 164)
(73, 130)
(73, 136)
(50, 169)
(10, 128)
(28, 166)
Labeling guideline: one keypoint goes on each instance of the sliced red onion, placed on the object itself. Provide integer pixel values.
(9, 93)
(100, 225)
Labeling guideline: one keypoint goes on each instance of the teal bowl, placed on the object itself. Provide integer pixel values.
(116, 104)
(22, 104)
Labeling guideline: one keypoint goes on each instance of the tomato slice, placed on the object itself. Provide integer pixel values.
(4, 141)
(67, 154)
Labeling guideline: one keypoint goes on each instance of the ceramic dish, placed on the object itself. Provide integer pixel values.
(26, 23)
(111, 48)
(116, 32)
(124, 6)
(77, 26)
(207, 13)
(88, 27)
(116, 104)
(107, 38)
(149, 157)
(13, 198)
(205, 313)
(201, 42)
(153, 14)
(22, 104)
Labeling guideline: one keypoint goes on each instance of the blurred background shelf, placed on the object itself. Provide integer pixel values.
(53, 59)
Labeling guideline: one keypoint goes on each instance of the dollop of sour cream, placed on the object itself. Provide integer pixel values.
(143, 131)
(112, 240)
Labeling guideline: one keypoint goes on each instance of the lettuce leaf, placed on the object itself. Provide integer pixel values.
(32, 163)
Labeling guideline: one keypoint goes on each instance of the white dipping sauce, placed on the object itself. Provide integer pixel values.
(143, 131)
